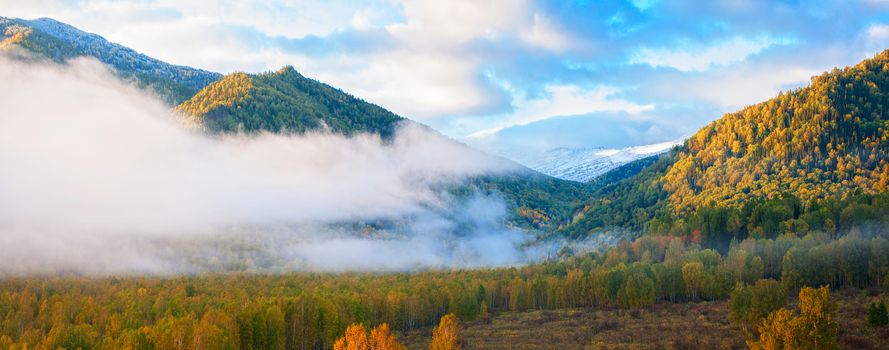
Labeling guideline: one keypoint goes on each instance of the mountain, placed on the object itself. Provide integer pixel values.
(287, 102)
(45, 38)
(280, 102)
(284, 101)
(814, 158)
(586, 164)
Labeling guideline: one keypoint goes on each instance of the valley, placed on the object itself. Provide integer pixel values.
(147, 205)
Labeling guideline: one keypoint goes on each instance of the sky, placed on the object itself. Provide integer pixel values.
(510, 76)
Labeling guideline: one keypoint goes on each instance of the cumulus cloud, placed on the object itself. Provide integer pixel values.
(432, 68)
(722, 53)
(97, 176)
(421, 60)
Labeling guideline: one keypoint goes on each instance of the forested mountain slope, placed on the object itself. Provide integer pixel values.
(45, 38)
(822, 140)
(796, 162)
(284, 101)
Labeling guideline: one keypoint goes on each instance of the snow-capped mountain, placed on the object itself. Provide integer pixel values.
(585, 164)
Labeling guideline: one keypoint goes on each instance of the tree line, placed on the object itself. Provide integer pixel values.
(313, 310)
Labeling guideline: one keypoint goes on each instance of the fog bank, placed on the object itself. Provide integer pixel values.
(96, 176)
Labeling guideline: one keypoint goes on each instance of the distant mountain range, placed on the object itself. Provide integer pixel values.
(587, 164)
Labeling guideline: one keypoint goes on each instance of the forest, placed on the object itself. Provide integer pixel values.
(284, 102)
(817, 145)
(313, 310)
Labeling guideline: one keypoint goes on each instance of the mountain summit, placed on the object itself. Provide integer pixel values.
(284, 101)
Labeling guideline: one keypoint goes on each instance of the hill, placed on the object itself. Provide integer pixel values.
(48, 39)
(815, 158)
(284, 101)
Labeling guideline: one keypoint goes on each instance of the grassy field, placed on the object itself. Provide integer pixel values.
(702, 325)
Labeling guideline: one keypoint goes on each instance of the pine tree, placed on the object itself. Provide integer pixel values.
(877, 315)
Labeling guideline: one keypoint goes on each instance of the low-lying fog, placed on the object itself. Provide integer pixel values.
(98, 177)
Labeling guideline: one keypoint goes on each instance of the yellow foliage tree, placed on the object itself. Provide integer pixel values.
(382, 339)
(692, 275)
(813, 329)
(447, 335)
(356, 338)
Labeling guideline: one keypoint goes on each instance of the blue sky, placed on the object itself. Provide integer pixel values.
(510, 76)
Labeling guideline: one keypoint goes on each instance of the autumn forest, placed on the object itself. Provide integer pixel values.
(162, 207)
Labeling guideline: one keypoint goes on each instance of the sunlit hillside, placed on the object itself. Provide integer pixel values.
(811, 159)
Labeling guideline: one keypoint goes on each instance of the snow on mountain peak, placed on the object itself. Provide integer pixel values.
(585, 164)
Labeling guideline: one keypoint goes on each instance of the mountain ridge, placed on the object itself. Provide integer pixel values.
(283, 101)
(587, 164)
(49, 39)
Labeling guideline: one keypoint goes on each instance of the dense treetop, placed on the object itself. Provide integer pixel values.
(822, 140)
(284, 101)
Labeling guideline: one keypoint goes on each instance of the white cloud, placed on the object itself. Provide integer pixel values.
(414, 84)
(876, 37)
(428, 69)
(440, 24)
(293, 19)
(544, 34)
(563, 100)
(366, 19)
(878, 32)
(723, 53)
(735, 89)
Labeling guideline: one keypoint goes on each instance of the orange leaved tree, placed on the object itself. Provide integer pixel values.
(356, 338)
(382, 339)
